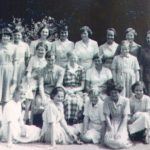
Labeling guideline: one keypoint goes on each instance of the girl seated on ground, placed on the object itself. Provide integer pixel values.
(13, 128)
(55, 128)
(139, 124)
(116, 111)
(93, 125)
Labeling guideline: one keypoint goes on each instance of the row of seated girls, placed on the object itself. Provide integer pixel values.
(74, 93)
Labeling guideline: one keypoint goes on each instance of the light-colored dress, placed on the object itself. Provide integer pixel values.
(96, 118)
(85, 52)
(116, 111)
(34, 68)
(54, 114)
(125, 69)
(61, 48)
(12, 113)
(7, 60)
(108, 51)
(140, 113)
(34, 43)
(22, 52)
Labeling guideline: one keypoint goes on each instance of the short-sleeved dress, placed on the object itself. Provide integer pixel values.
(85, 52)
(140, 113)
(96, 117)
(12, 113)
(116, 112)
(7, 60)
(54, 114)
(34, 68)
(34, 43)
(61, 48)
(125, 69)
(73, 104)
(108, 51)
(22, 52)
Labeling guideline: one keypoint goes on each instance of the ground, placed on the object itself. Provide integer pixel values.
(37, 146)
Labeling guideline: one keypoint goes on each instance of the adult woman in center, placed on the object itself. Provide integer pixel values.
(86, 48)
(74, 80)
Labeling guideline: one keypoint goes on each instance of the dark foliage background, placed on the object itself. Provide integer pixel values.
(98, 14)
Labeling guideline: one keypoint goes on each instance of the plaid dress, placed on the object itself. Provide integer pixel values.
(73, 104)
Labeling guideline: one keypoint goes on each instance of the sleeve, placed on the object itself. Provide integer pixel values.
(15, 58)
(96, 49)
(88, 75)
(127, 107)
(148, 104)
(106, 109)
(53, 47)
(109, 75)
(131, 105)
(27, 53)
(83, 74)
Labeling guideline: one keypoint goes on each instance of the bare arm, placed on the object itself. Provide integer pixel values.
(85, 124)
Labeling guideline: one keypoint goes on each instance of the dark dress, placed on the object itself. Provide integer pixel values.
(145, 63)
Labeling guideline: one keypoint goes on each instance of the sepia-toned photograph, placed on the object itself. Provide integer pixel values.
(74, 74)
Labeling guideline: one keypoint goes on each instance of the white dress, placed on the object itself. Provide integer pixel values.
(108, 51)
(85, 52)
(140, 114)
(61, 48)
(96, 117)
(125, 69)
(22, 51)
(12, 113)
(54, 114)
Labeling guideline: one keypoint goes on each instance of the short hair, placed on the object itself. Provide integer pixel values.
(40, 30)
(111, 86)
(72, 53)
(55, 92)
(42, 44)
(49, 54)
(62, 29)
(86, 28)
(131, 30)
(97, 56)
(6, 31)
(138, 83)
(112, 29)
(94, 91)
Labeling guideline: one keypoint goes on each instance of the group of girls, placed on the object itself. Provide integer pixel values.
(61, 92)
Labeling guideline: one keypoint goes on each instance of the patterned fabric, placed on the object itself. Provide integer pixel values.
(73, 78)
(73, 107)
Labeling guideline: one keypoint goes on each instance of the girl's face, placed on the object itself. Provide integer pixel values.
(98, 62)
(110, 36)
(148, 39)
(84, 35)
(20, 95)
(138, 92)
(130, 36)
(44, 33)
(93, 98)
(51, 60)
(59, 98)
(5, 38)
(63, 35)
(124, 50)
(114, 95)
(17, 36)
(40, 51)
